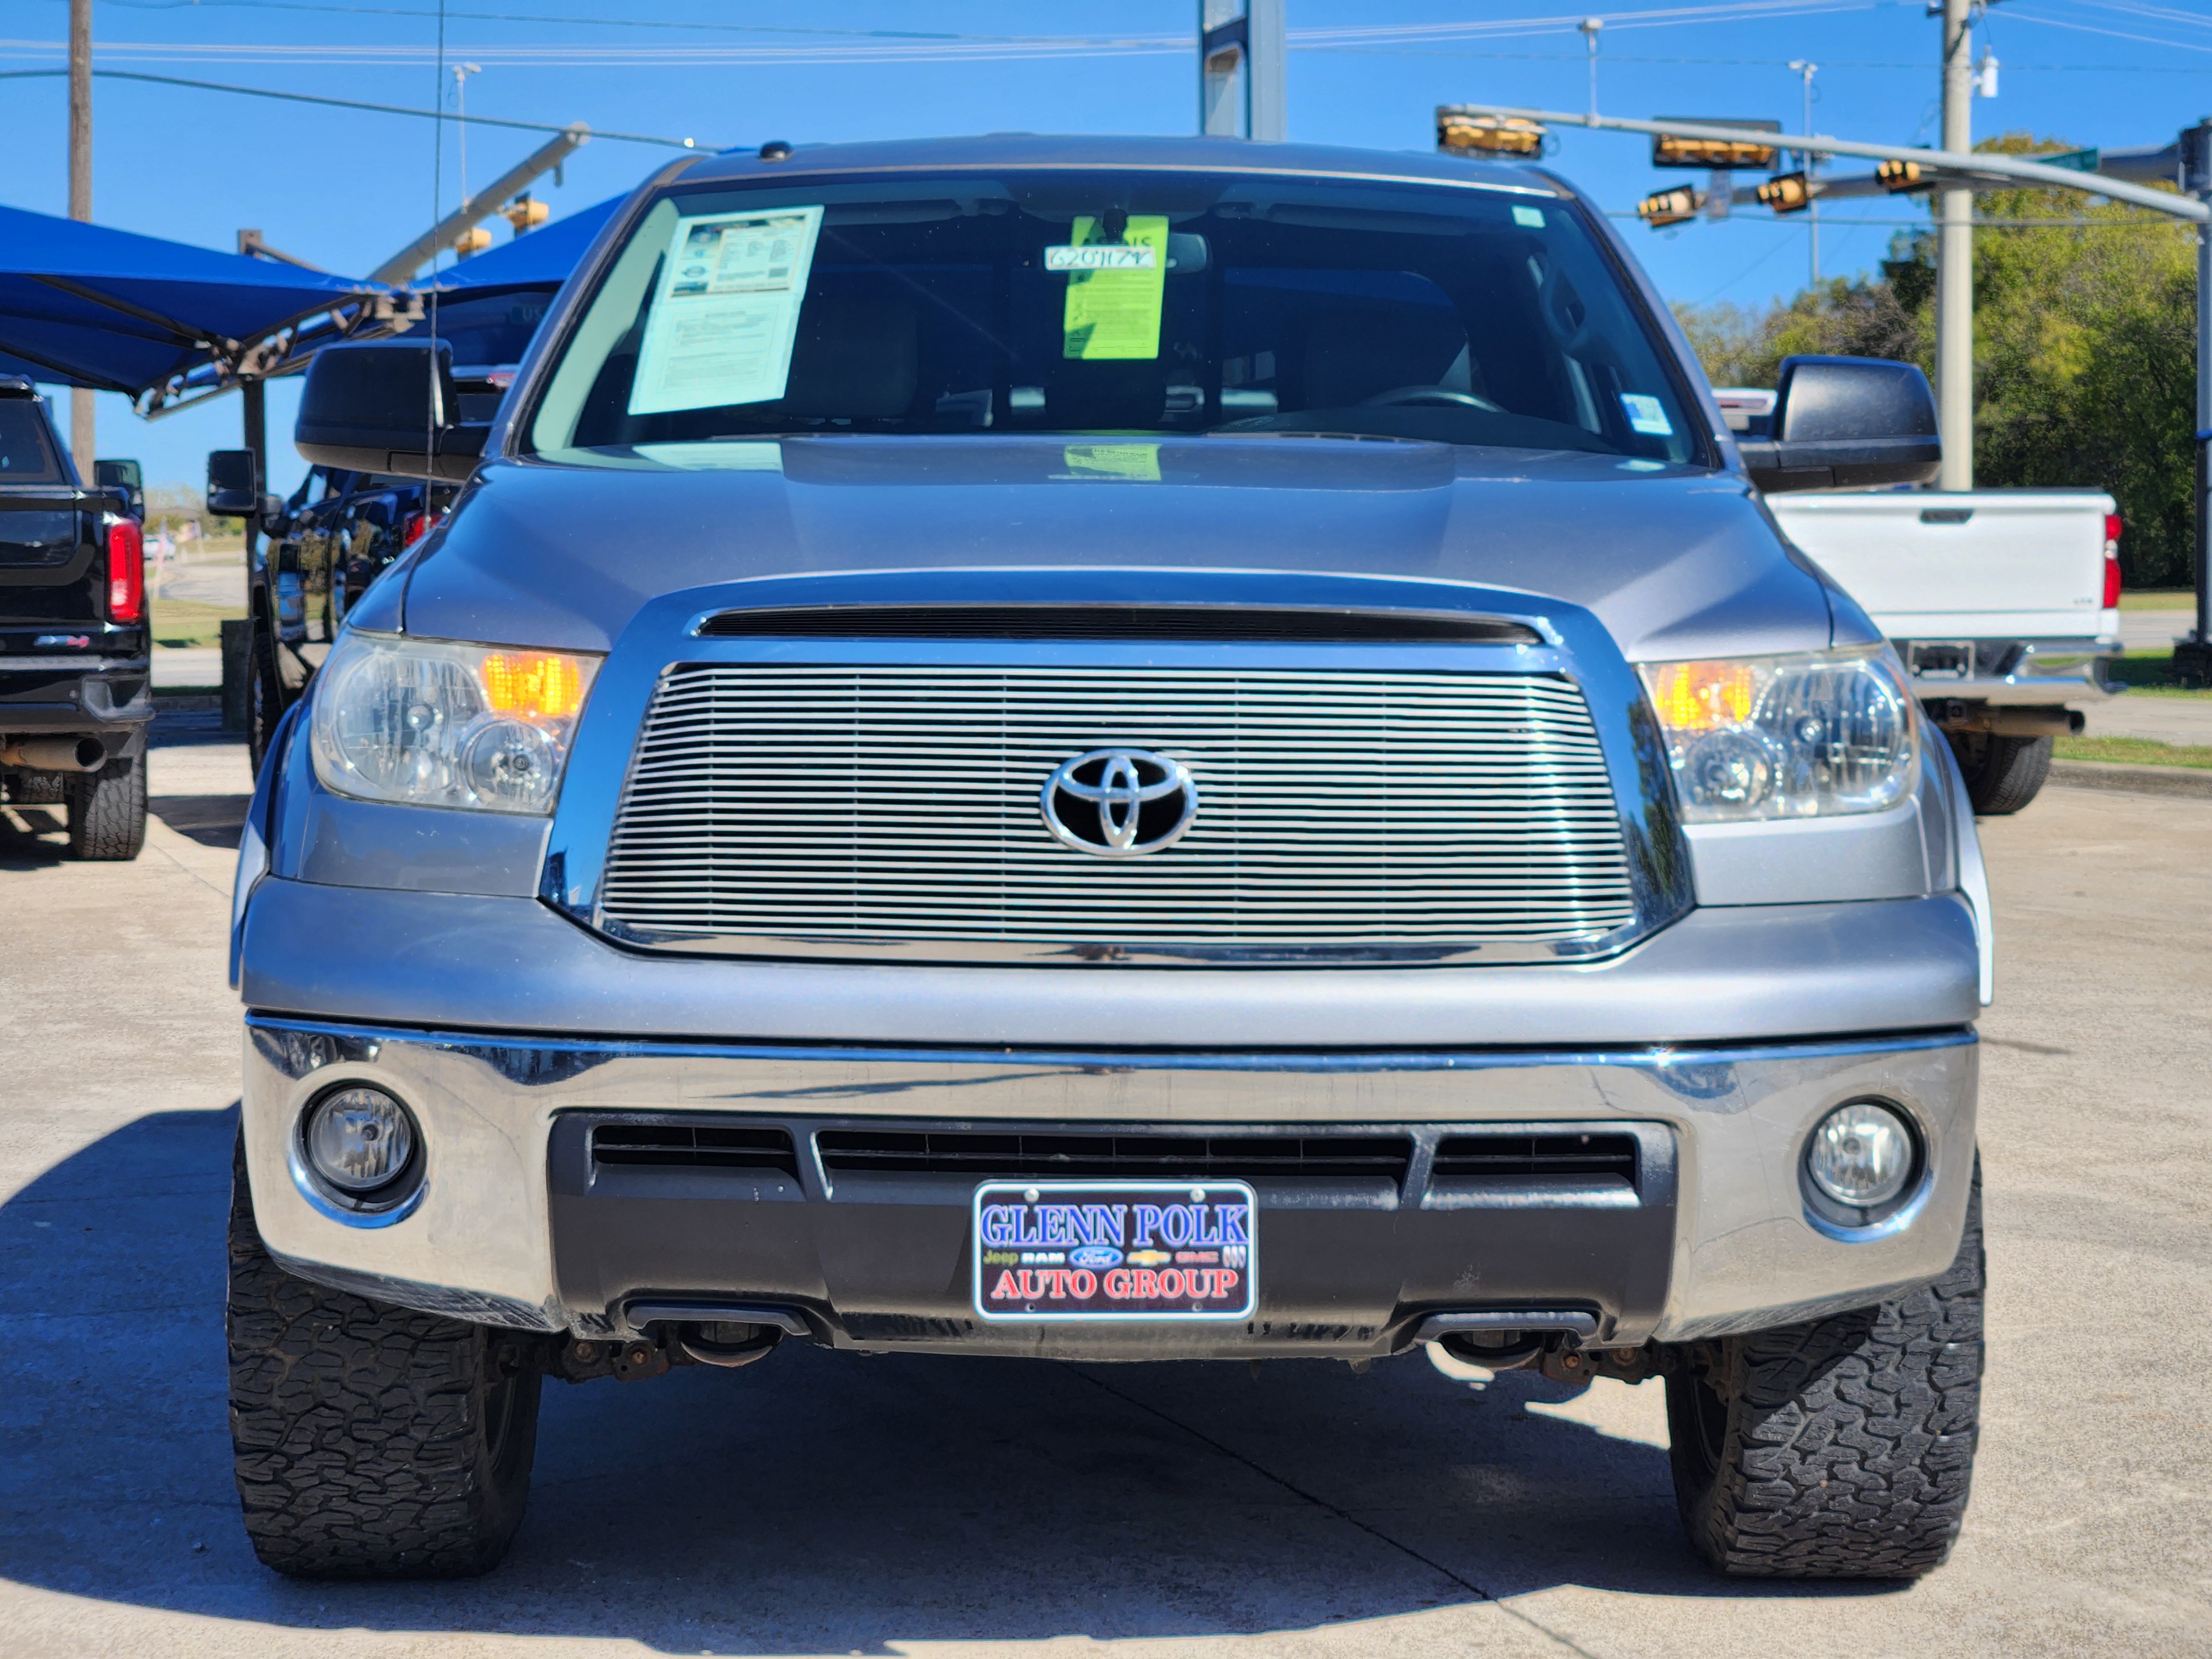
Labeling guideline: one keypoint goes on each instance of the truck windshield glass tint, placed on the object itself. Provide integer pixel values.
(25, 455)
(1113, 303)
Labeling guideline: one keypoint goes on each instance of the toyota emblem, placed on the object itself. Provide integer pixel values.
(1120, 803)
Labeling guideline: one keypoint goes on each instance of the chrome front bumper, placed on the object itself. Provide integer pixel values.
(1735, 1250)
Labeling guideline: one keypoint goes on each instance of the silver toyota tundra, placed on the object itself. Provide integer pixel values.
(1099, 749)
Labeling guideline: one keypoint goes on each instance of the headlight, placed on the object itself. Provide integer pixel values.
(1786, 737)
(432, 724)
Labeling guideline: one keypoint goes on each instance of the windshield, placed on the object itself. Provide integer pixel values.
(1129, 302)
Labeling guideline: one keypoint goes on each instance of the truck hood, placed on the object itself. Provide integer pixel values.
(561, 551)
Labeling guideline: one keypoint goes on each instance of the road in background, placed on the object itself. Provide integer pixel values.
(825, 1504)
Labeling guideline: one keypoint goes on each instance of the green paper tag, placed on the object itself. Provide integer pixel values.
(1116, 314)
(1139, 463)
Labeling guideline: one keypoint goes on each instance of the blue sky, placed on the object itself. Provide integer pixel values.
(344, 189)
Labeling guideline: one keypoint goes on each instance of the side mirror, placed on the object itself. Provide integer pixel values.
(1846, 423)
(388, 407)
(233, 483)
(127, 476)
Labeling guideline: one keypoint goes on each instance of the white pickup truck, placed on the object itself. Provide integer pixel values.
(2004, 604)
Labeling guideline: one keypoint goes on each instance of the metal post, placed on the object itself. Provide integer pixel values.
(1266, 77)
(1223, 67)
(1811, 164)
(1955, 268)
(84, 437)
(1589, 27)
(2192, 657)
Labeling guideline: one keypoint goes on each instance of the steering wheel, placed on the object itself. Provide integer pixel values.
(1429, 394)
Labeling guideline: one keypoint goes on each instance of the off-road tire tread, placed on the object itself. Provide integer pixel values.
(107, 812)
(358, 1429)
(265, 700)
(2012, 772)
(1850, 1446)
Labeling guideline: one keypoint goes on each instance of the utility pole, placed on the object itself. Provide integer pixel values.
(84, 436)
(1812, 200)
(1954, 262)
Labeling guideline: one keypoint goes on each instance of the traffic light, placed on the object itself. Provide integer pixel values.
(1670, 207)
(1751, 153)
(524, 214)
(1898, 177)
(1460, 133)
(1786, 192)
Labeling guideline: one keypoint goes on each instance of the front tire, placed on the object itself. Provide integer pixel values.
(264, 700)
(369, 1442)
(1841, 1448)
(107, 812)
(2002, 774)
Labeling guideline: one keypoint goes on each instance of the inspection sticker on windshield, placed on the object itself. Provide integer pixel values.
(1647, 414)
(1115, 1250)
(725, 311)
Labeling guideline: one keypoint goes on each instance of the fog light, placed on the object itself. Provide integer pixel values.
(1860, 1155)
(359, 1140)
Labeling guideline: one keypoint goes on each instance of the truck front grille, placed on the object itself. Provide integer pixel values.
(984, 1155)
(900, 805)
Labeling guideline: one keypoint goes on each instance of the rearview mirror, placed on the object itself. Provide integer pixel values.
(233, 483)
(388, 407)
(1846, 423)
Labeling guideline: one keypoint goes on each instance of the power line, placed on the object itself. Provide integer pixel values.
(350, 103)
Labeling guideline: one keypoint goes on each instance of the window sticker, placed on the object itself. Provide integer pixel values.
(1114, 310)
(727, 311)
(1129, 463)
(1532, 218)
(1647, 414)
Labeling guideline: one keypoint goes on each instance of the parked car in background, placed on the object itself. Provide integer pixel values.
(2004, 605)
(1107, 749)
(75, 677)
(316, 553)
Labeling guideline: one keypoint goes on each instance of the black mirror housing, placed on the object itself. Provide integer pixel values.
(233, 483)
(1846, 423)
(387, 407)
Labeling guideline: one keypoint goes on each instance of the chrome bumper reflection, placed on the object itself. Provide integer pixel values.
(478, 1246)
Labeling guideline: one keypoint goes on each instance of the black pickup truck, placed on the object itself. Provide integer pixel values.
(76, 680)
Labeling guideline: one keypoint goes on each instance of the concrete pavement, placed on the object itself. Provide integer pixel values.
(817, 1503)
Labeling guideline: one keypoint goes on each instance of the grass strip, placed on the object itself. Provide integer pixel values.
(188, 623)
(2133, 751)
(2160, 599)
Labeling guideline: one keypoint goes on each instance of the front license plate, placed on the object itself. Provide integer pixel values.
(1115, 1249)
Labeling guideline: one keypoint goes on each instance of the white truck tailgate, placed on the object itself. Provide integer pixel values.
(2022, 564)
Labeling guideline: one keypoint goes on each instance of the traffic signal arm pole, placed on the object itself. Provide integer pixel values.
(1974, 164)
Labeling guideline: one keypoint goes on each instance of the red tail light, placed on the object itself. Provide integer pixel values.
(126, 571)
(2111, 562)
(417, 526)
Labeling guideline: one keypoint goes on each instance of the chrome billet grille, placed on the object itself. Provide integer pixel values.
(901, 805)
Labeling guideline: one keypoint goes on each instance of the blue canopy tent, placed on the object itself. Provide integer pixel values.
(489, 306)
(542, 259)
(86, 306)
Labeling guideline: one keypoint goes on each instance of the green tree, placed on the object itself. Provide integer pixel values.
(2085, 352)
